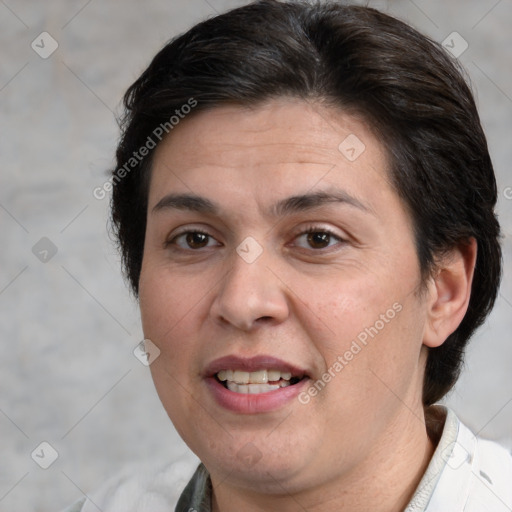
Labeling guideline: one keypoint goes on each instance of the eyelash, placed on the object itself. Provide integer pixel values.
(309, 230)
(183, 233)
(318, 229)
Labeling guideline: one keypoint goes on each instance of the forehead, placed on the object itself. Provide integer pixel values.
(284, 144)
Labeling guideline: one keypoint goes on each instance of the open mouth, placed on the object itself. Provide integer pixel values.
(261, 381)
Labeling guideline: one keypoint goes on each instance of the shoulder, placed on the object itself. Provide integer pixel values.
(477, 474)
(491, 478)
(141, 489)
(77, 506)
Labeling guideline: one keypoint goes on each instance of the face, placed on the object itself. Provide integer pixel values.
(279, 282)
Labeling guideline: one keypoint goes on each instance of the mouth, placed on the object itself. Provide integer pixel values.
(254, 385)
(257, 382)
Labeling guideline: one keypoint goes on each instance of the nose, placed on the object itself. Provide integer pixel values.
(250, 294)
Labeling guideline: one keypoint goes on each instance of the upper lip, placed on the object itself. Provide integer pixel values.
(252, 364)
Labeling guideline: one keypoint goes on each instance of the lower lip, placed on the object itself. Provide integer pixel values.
(253, 404)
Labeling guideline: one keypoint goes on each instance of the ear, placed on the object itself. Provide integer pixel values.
(448, 294)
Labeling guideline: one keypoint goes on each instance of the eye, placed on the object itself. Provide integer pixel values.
(193, 240)
(318, 238)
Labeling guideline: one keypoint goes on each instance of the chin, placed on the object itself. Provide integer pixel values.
(259, 464)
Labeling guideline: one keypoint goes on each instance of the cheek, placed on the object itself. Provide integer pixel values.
(166, 299)
(169, 313)
(345, 307)
(373, 323)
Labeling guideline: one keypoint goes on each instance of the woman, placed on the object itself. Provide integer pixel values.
(304, 203)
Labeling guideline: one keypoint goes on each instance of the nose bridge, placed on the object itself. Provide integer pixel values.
(250, 292)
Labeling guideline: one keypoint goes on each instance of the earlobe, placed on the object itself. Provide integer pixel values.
(449, 291)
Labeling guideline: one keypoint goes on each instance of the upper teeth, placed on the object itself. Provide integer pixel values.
(259, 377)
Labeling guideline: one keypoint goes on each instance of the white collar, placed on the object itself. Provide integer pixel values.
(466, 474)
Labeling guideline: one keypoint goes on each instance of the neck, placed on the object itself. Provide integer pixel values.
(383, 482)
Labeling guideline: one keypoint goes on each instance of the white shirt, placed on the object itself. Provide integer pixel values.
(466, 474)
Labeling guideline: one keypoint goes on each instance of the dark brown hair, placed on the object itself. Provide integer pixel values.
(405, 86)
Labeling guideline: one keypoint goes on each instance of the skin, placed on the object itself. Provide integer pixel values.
(361, 443)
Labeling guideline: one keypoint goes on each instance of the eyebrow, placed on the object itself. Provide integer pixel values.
(287, 206)
(312, 200)
(189, 202)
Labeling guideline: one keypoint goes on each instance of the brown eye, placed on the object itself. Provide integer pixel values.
(196, 240)
(192, 240)
(318, 239)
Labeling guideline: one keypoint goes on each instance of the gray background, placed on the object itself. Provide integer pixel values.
(68, 375)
